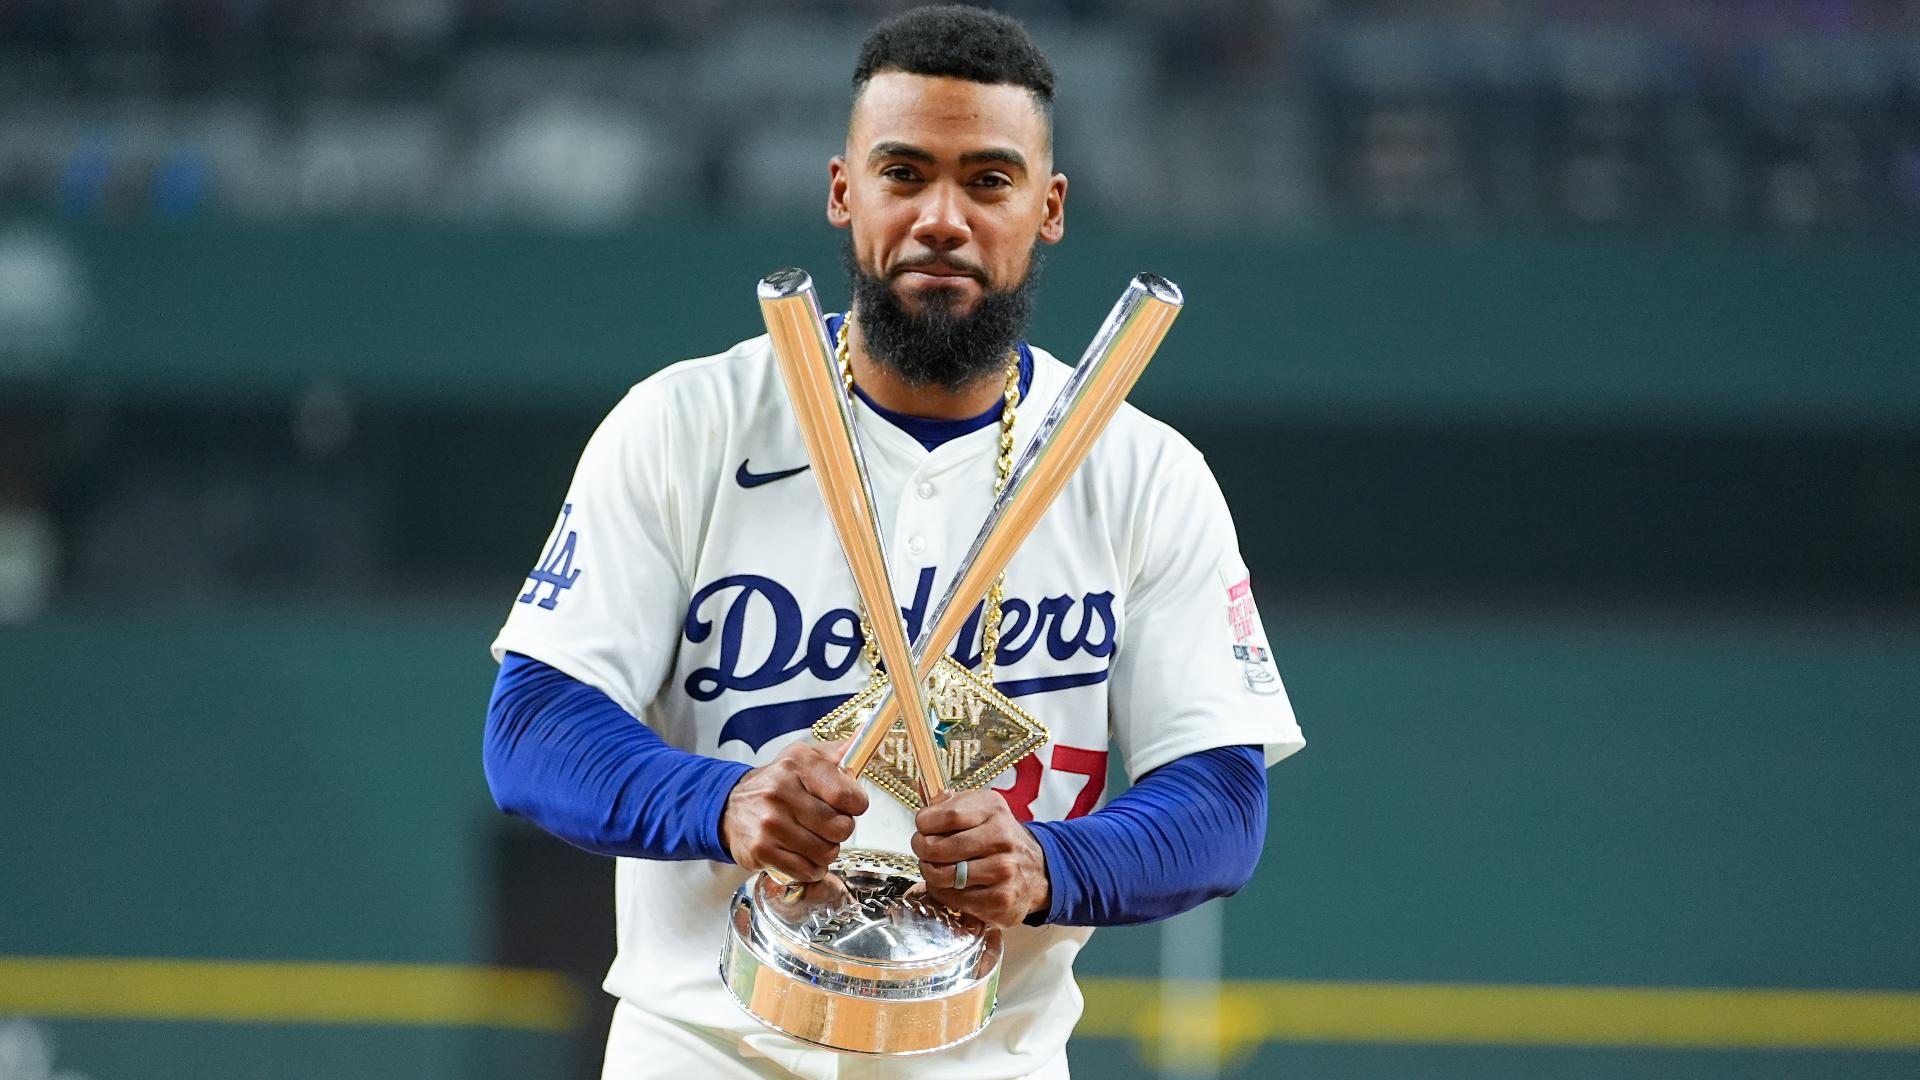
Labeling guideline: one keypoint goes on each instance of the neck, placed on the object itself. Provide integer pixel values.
(887, 389)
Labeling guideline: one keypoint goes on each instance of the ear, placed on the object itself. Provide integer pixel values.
(1054, 225)
(839, 214)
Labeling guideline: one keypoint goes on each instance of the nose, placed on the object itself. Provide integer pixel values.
(942, 224)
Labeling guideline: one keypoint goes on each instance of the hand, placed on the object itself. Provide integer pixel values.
(792, 814)
(1006, 869)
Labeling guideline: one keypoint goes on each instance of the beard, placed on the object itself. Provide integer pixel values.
(938, 346)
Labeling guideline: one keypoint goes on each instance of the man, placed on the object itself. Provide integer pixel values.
(692, 584)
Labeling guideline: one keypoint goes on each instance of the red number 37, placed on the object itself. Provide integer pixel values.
(1091, 764)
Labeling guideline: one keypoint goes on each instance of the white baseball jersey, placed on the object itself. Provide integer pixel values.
(695, 579)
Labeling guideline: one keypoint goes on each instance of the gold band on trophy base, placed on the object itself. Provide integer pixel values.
(980, 733)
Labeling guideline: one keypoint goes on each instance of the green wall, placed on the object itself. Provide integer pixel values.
(1372, 325)
(1485, 798)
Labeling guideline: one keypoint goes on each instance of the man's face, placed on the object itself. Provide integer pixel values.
(946, 187)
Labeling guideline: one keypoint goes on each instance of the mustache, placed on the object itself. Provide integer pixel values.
(921, 262)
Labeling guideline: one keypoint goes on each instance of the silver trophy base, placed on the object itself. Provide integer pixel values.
(860, 962)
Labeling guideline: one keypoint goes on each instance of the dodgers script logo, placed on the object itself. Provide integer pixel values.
(830, 647)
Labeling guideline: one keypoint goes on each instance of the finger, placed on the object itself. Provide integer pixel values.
(792, 857)
(975, 843)
(832, 750)
(824, 821)
(964, 810)
(797, 839)
(794, 867)
(981, 873)
(988, 905)
(834, 787)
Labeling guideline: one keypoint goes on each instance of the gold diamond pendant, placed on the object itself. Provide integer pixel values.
(980, 733)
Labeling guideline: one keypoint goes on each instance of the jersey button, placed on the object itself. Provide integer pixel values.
(925, 490)
(916, 545)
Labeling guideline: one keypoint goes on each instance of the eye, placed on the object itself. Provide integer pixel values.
(997, 181)
(900, 174)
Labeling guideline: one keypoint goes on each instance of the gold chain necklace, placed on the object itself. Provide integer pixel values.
(1003, 470)
(979, 732)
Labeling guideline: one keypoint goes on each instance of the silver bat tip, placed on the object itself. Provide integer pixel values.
(781, 284)
(1159, 288)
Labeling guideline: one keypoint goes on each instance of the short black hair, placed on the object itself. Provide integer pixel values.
(960, 42)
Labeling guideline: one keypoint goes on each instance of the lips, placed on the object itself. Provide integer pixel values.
(940, 271)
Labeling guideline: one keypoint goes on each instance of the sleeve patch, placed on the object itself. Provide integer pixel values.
(1240, 610)
(556, 572)
(1249, 644)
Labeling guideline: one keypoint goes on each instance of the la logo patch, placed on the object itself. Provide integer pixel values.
(556, 572)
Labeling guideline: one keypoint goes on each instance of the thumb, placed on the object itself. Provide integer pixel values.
(839, 789)
(835, 748)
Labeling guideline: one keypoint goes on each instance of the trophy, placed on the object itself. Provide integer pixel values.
(863, 961)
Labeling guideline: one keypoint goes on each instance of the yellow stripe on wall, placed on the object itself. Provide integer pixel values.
(1188, 1021)
(287, 993)
(1238, 1016)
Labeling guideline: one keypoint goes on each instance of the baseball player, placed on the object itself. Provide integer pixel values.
(690, 616)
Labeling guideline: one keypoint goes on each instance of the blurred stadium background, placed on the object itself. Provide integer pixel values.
(1558, 358)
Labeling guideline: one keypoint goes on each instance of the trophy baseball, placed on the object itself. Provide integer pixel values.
(862, 961)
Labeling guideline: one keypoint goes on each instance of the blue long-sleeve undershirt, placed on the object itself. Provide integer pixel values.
(565, 756)
(1184, 833)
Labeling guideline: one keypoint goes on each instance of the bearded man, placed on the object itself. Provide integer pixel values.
(691, 617)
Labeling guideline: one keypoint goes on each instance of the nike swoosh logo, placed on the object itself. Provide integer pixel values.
(753, 479)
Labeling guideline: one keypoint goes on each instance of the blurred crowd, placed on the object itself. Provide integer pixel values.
(1775, 117)
(1768, 114)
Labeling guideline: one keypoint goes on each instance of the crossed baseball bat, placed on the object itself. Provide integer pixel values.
(1107, 370)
